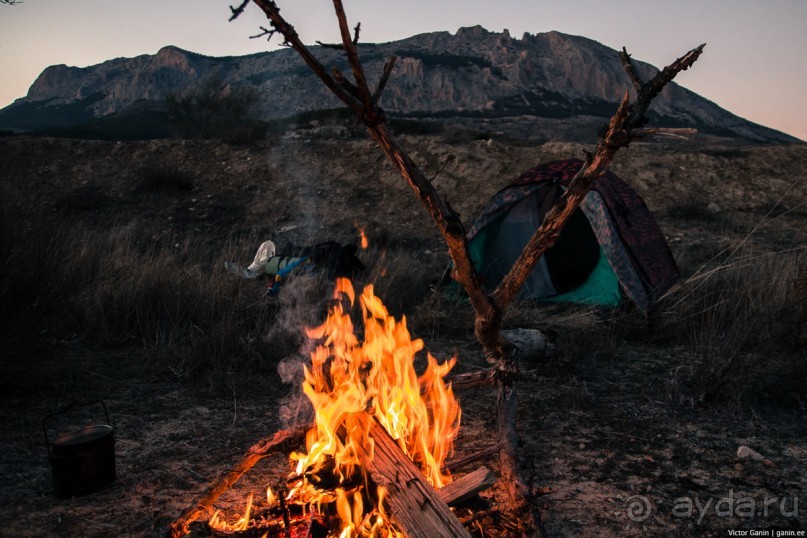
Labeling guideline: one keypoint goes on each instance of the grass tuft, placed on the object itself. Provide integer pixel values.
(743, 325)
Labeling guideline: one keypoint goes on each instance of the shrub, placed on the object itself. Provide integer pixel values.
(215, 110)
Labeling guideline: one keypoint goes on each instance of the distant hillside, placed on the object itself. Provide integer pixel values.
(548, 85)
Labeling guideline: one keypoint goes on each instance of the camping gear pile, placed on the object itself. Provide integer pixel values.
(330, 257)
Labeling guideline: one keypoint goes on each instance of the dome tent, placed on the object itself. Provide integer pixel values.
(610, 249)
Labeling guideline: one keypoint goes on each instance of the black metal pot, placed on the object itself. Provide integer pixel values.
(83, 461)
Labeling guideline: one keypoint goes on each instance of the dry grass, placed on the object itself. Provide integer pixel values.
(174, 305)
(68, 289)
(738, 323)
(742, 323)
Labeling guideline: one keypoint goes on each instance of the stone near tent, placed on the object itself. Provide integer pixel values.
(531, 345)
(748, 453)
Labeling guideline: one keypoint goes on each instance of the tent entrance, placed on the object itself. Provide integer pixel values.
(574, 269)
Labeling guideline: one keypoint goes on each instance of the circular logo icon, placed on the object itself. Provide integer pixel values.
(639, 508)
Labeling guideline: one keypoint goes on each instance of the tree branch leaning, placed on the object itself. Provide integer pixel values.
(489, 306)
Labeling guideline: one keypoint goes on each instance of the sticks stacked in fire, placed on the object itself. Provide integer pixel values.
(275, 516)
(377, 449)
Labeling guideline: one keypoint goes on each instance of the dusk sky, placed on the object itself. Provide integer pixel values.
(754, 64)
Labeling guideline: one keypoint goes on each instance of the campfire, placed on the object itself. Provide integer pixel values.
(371, 411)
(376, 450)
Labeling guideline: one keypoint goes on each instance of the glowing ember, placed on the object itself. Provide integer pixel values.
(377, 376)
(271, 497)
(363, 242)
(217, 521)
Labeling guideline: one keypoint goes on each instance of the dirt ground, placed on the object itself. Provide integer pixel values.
(609, 452)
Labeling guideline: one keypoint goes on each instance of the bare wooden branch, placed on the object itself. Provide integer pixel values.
(237, 11)
(462, 462)
(481, 378)
(631, 71)
(272, 12)
(382, 83)
(282, 440)
(345, 83)
(466, 486)
(546, 234)
(449, 158)
(448, 221)
(618, 134)
(264, 32)
(651, 89)
(506, 406)
(369, 115)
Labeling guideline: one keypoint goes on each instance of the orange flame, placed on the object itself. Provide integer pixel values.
(271, 497)
(218, 523)
(363, 241)
(377, 375)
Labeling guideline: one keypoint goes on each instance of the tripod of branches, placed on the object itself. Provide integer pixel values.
(490, 306)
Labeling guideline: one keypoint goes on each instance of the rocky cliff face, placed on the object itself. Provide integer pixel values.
(473, 74)
(116, 84)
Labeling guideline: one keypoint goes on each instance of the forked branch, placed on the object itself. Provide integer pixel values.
(489, 307)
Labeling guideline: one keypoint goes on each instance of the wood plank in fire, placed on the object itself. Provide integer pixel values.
(465, 487)
(416, 507)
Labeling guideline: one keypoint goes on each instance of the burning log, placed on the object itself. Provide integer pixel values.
(417, 509)
(458, 491)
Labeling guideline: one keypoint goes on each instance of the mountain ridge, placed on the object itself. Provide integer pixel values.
(473, 73)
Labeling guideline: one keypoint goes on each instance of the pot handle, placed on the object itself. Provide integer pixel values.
(49, 418)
